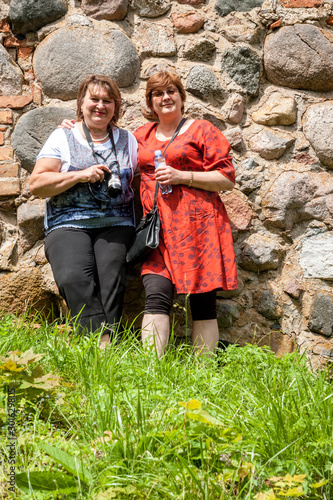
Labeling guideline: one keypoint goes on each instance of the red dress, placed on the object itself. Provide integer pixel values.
(196, 248)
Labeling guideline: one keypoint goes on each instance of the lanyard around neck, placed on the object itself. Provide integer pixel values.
(91, 142)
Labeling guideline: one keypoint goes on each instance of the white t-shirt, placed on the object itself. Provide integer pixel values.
(56, 146)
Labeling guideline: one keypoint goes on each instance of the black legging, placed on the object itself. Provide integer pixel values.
(159, 298)
(89, 269)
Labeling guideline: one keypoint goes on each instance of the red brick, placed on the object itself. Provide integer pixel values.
(3, 129)
(191, 2)
(24, 51)
(6, 117)
(12, 41)
(4, 26)
(2, 138)
(10, 188)
(276, 24)
(14, 101)
(329, 21)
(10, 170)
(29, 75)
(36, 94)
(294, 4)
(6, 153)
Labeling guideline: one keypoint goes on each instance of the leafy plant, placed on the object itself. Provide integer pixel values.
(14, 372)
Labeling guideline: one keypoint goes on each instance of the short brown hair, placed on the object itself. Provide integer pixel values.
(158, 80)
(105, 83)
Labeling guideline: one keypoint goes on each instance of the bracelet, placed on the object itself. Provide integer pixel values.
(192, 175)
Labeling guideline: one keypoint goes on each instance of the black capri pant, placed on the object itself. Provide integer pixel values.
(159, 299)
(89, 269)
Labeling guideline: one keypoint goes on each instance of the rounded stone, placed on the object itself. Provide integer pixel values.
(151, 8)
(199, 49)
(270, 145)
(261, 253)
(223, 7)
(276, 110)
(321, 320)
(11, 77)
(32, 130)
(202, 83)
(243, 66)
(318, 129)
(189, 22)
(105, 9)
(300, 57)
(68, 55)
(30, 15)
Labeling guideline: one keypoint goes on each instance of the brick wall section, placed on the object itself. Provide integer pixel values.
(14, 101)
(9, 187)
(6, 153)
(9, 170)
(6, 117)
(304, 4)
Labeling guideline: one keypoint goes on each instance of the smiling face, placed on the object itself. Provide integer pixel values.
(165, 95)
(97, 107)
(166, 100)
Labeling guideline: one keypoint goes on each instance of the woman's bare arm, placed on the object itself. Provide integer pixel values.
(46, 179)
(210, 181)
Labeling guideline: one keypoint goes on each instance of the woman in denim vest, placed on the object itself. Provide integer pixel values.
(85, 173)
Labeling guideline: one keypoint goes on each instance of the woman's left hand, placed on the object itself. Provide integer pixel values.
(168, 175)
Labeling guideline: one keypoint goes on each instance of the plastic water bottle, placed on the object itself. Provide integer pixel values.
(159, 161)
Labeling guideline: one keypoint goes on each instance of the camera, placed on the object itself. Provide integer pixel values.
(113, 181)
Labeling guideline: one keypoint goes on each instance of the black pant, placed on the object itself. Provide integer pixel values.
(159, 298)
(89, 269)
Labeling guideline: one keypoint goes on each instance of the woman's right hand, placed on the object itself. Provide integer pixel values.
(92, 174)
(67, 124)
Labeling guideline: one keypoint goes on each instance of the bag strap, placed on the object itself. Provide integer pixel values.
(176, 132)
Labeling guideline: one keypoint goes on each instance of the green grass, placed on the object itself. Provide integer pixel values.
(126, 425)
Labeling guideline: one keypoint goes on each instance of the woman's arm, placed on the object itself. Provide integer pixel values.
(46, 179)
(210, 181)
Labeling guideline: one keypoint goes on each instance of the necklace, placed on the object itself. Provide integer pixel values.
(100, 139)
(95, 140)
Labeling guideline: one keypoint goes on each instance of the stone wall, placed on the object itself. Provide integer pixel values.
(261, 71)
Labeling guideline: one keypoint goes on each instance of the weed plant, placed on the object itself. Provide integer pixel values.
(123, 424)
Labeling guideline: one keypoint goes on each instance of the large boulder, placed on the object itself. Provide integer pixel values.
(30, 15)
(32, 130)
(68, 55)
(300, 57)
(11, 77)
(243, 66)
(318, 129)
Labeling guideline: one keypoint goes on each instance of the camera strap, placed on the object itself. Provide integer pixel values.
(91, 144)
(98, 186)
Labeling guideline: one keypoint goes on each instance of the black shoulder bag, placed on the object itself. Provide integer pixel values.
(147, 232)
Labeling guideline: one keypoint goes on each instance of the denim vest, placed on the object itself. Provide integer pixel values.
(77, 206)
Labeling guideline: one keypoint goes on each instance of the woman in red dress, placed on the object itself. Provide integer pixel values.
(195, 255)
